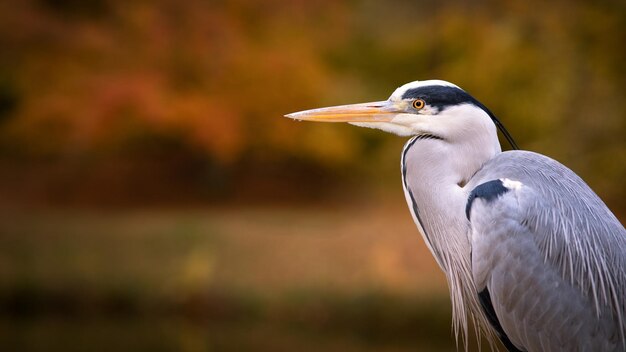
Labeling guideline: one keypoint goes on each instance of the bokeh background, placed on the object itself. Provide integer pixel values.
(152, 196)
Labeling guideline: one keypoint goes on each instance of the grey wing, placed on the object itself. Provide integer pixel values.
(548, 257)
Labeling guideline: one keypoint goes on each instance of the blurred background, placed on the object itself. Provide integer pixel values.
(152, 196)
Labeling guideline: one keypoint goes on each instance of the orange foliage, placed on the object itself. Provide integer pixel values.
(95, 77)
(213, 73)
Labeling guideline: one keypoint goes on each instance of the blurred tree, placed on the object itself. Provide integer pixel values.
(97, 78)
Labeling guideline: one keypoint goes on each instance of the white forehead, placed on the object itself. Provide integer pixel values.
(397, 94)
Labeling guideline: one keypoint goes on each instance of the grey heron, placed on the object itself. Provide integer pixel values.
(530, 253)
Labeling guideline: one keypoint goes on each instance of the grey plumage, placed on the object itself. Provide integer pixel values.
(552, 256)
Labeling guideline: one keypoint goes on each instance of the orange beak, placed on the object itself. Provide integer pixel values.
(380, 111)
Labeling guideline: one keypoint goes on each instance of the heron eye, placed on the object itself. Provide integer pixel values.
(418, 104)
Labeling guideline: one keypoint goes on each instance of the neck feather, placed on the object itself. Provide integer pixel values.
(434, 176)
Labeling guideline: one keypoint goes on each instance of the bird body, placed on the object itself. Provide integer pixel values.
(531, 254)
(550, 254)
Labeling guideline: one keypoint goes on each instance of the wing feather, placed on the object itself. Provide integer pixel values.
(551, 254)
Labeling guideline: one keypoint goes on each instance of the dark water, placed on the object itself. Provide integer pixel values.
(369, 322)
(85, 334)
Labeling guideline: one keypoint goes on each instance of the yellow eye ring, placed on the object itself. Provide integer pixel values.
(418, 104)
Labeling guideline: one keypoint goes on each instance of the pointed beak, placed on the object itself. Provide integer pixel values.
(379, 111)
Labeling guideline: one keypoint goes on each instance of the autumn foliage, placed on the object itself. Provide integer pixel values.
(135, 96)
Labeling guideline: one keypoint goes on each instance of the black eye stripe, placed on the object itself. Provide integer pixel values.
(439, 96)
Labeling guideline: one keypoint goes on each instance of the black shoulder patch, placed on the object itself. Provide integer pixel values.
(485, 301)
(488, 191)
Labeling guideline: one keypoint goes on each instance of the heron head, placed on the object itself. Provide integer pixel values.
(436, 109)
